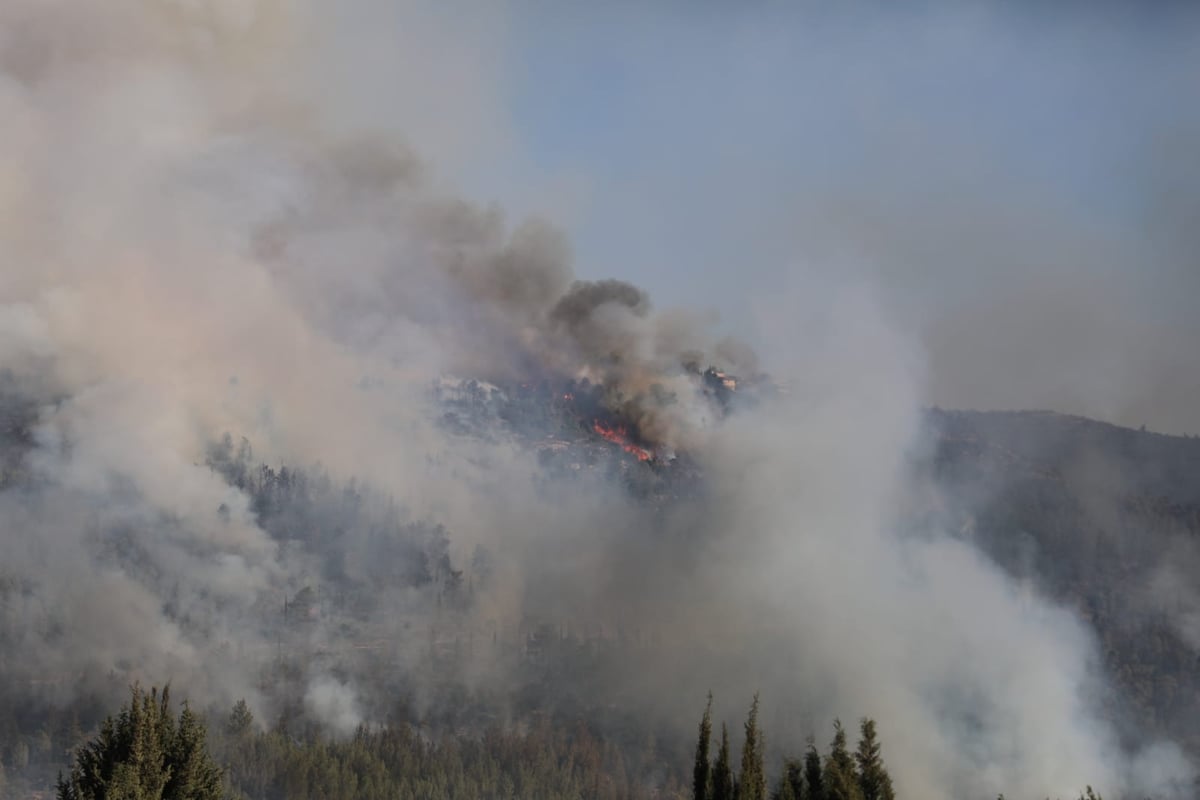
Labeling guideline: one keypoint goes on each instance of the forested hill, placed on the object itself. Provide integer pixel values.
(1103, 519)
(1085, 453)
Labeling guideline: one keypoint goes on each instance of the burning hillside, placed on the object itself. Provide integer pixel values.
(618, 435)
(574, 416)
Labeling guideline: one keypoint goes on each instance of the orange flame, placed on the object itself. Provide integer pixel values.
(620, 437)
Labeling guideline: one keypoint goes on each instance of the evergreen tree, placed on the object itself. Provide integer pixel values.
(752, 784)
(814, 779)
(722, 775)
(791, 783)
(701, 773)
(240, 721)
(193, 775)
(841, 782)
(142, 754)
(873, 778)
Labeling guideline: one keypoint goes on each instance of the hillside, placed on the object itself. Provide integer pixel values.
(1103, 519)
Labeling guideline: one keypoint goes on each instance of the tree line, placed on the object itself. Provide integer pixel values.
(837, 775)
(148, 752)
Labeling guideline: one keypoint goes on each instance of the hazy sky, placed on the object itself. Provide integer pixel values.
(1020, 187)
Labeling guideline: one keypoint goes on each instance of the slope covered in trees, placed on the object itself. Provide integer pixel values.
(1074, 509)
(1103, 519)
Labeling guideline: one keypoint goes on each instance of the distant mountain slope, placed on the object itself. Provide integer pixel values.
(1101, 518)
(1099, 454)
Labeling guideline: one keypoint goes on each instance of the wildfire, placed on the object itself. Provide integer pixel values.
(620, 437)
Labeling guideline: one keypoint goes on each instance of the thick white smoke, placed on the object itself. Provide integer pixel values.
(200, 236)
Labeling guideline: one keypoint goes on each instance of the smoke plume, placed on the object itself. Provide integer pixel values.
(204, 232)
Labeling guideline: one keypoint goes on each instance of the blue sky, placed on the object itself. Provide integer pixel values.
(1066, 104)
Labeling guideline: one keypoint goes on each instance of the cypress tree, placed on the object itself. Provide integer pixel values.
(752, 783)
(722, 775)
(873, 778)
(701, 773)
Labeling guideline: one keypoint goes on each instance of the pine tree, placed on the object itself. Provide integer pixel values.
(142, 755)
(701, 773)
(193, 774)
(240, 721)
(752, 783)
(814, 780)
(841, 782)
(873, 778)
(722, 775)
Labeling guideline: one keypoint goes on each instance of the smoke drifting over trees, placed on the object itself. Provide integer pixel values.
(197, 241)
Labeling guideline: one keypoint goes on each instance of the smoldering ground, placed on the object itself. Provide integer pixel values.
(197, 240)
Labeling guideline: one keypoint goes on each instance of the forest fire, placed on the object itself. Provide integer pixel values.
(619, 436)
